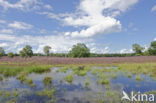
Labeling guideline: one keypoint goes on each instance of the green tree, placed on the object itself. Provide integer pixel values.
(2, 52)
(79, 50)
(152, 49)
(137, 49)
(10, 55)
(26, 51)
(46, 50)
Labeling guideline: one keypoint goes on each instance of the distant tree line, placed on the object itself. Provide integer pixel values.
(81, 50)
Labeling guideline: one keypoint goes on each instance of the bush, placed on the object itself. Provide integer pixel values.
(10, 55)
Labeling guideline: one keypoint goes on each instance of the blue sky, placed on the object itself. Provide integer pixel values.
(105, 26)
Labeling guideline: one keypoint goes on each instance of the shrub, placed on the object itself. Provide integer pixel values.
(10, 55)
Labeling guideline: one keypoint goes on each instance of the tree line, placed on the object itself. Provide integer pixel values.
(81, 50)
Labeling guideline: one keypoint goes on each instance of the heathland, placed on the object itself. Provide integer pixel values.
(71, 80)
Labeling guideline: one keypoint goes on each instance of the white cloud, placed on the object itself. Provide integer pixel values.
(154, 39)
(20, 25)
(58, 43)
(7, 37)
(7, 31)
(106, 50)
(146, 47)
(20, 4)
(123, 51)
(48, 7)
(50, 15)
(3, 45)
(96, 16)
(126, 51)
(153, 8)
(98, 48)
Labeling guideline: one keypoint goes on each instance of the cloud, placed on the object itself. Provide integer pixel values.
(153, 8)
(48, 7)
(7, 31)
(98, 17)
(126, 51)
(20, 25)
(58, 43)
(7, 37)
(4, 45)
(154, 39)
(106, 50)
(50, 15)
(94, 16)
(23, 5)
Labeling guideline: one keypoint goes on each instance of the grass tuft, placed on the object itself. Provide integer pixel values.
(47, 80)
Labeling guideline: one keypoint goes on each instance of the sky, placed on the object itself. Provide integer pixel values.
(105, 26)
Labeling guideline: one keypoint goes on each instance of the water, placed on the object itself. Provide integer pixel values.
(77, 91)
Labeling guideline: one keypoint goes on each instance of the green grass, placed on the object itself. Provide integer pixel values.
(64, 69)
(47, 80)
(138, 78)
(81, 70)
(139, 68)
(13, 70)
(24, 79)
(103, 75)
(104, 81)
(69, 78)
(1, 78)
(48, 93)
(87, 83)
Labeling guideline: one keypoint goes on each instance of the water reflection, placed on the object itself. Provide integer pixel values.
(77, 91)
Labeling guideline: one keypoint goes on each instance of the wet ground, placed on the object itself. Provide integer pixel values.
(82, 89)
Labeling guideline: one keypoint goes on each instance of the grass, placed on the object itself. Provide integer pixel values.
(47, 80)
(129, 75)
(48, 93)
(1, 78)
(138, 78)
(64, 69)
(103, 75)
(24, 79)
(139, 68)
(87, 83)
(81, 70)
(104, 81)
(13, 70)
(69, 78)
(9, 93)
